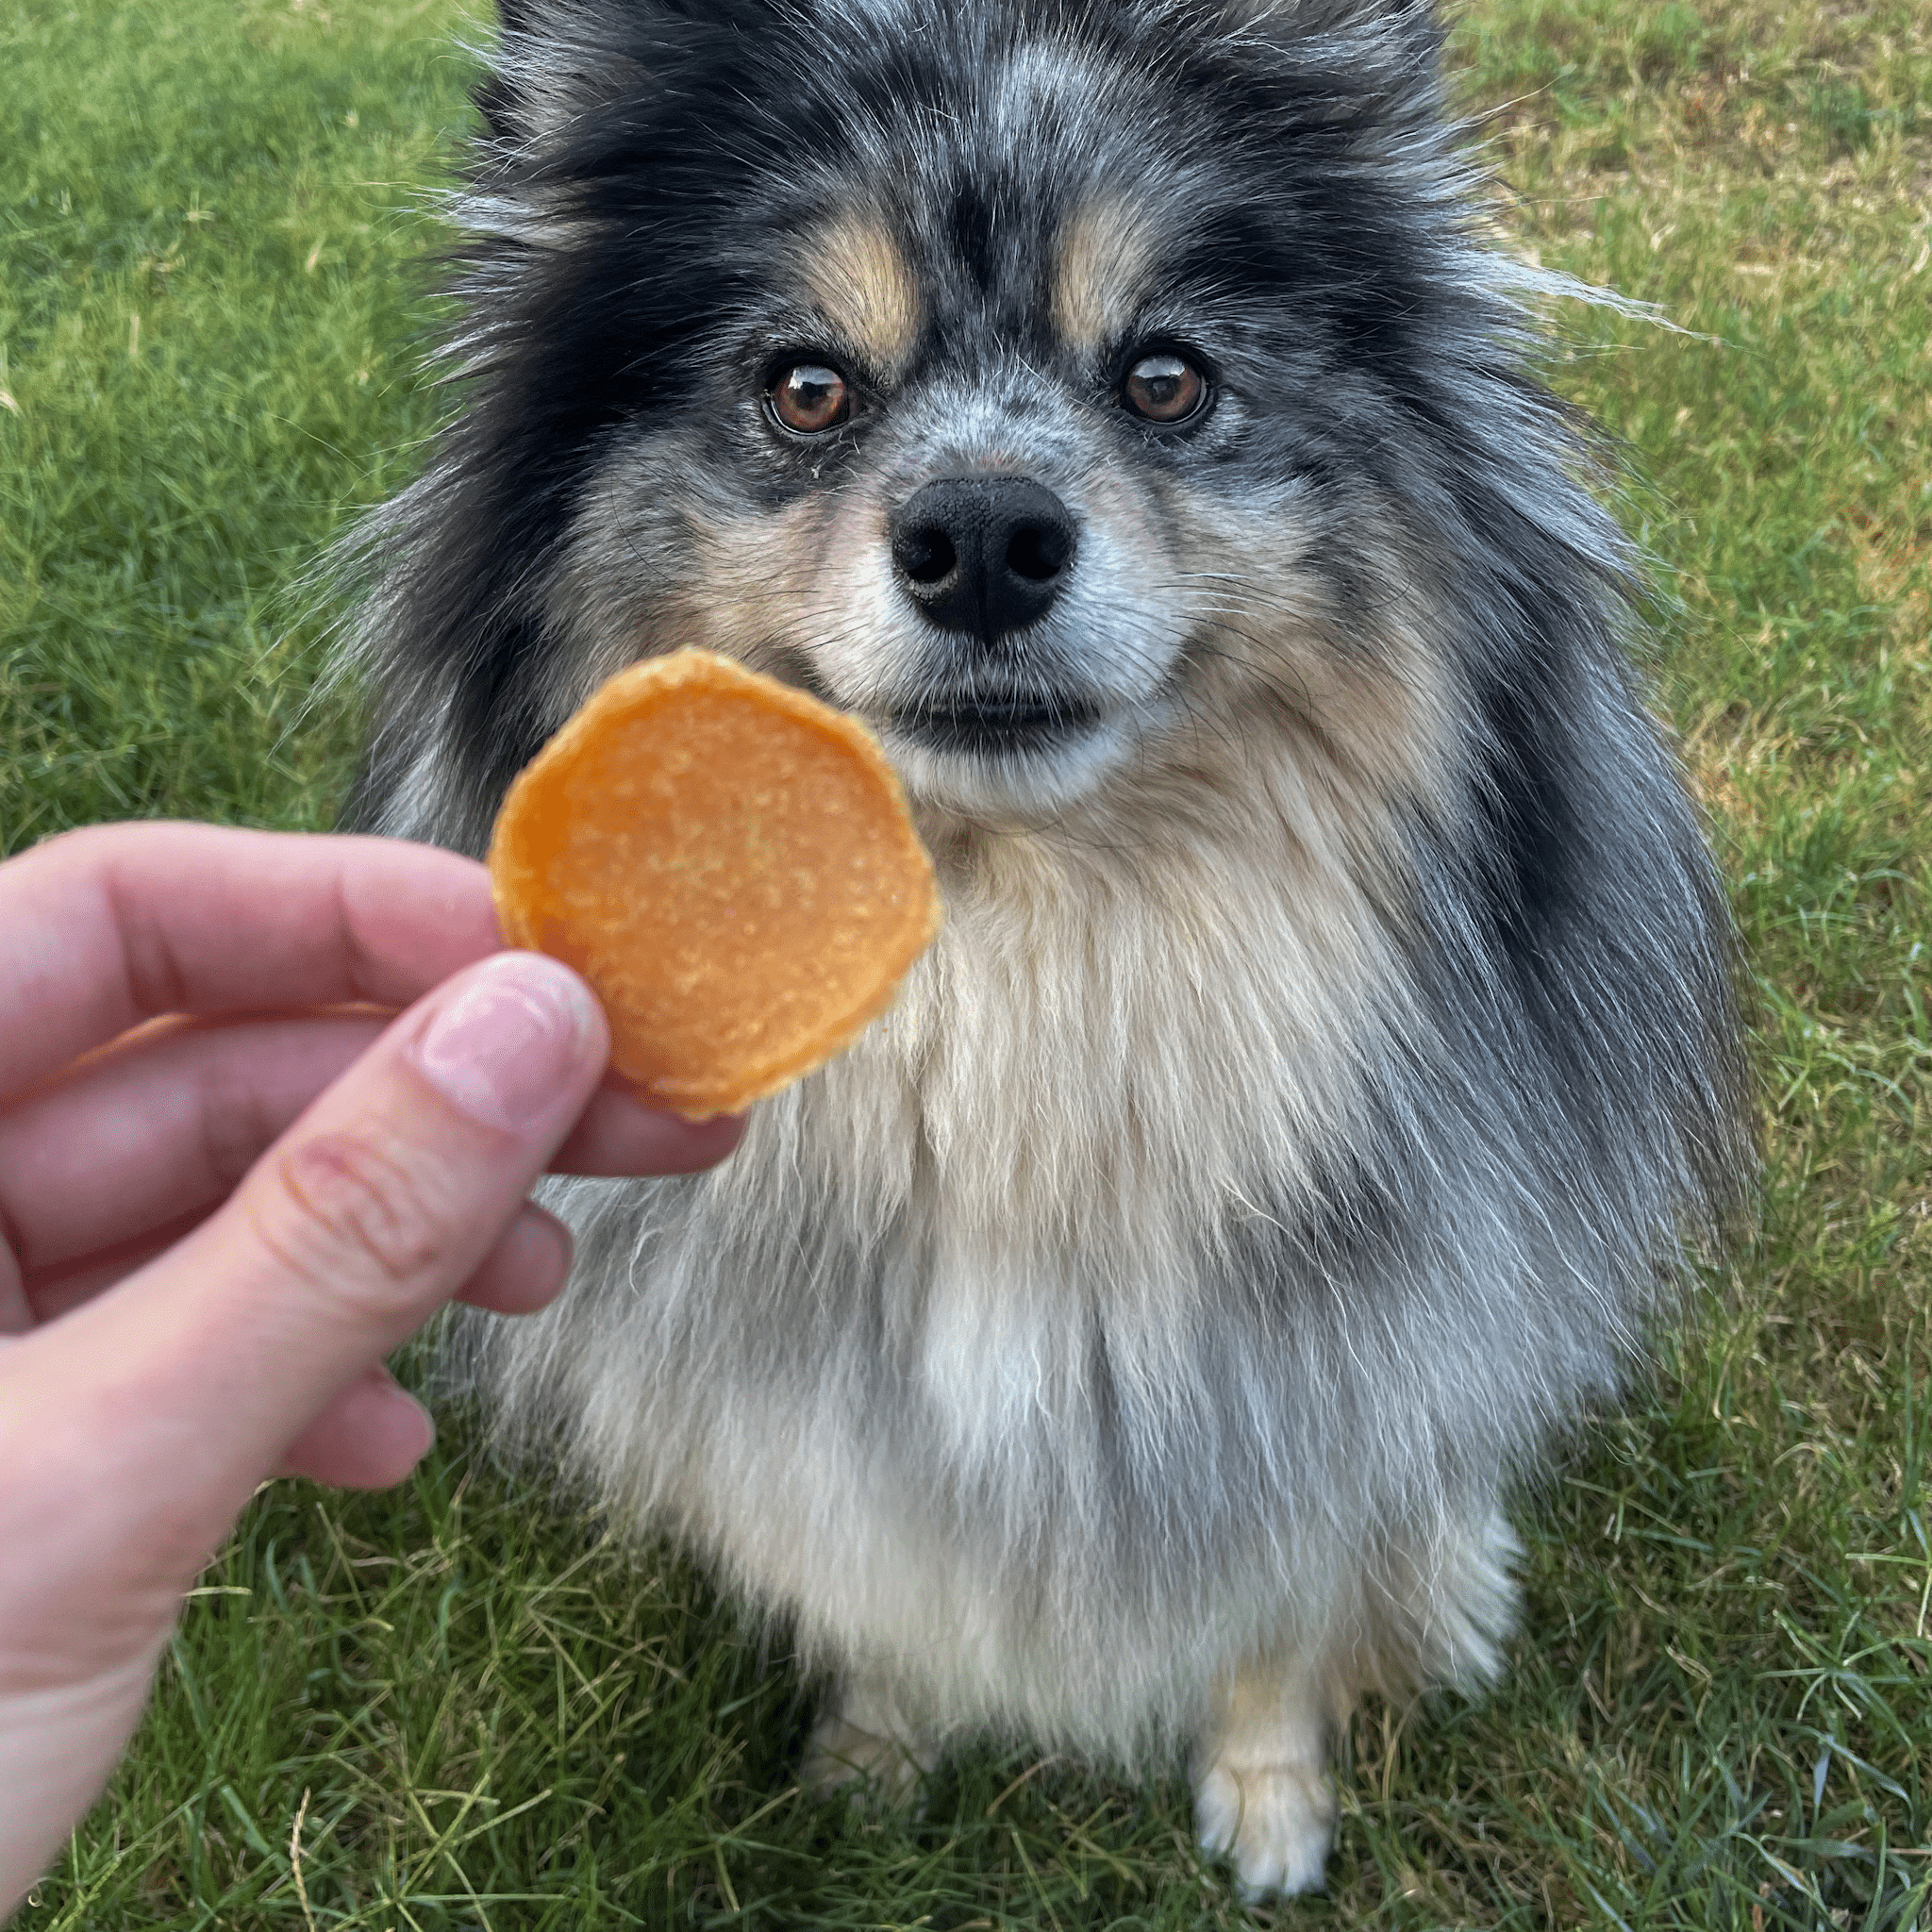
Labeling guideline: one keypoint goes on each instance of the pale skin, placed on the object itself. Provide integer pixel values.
(213, 1229)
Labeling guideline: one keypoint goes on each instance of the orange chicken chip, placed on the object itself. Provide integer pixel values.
(729, 863)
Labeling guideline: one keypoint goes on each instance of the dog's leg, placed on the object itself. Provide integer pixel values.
(1435, 1609)
(863, 1740)
(1261, 1788)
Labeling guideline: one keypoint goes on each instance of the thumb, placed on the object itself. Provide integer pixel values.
(374, 1208)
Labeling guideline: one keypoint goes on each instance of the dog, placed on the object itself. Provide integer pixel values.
(1125, 408)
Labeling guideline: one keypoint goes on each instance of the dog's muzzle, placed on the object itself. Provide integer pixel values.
(981, 559)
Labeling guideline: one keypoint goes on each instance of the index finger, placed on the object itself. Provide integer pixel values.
(114, 925)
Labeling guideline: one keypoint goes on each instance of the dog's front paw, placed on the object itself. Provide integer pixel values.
(1275, 1821)
(857, 1748)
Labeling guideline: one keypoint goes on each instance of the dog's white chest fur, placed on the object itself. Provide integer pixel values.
(893, 1365)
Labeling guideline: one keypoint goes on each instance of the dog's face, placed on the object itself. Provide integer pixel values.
(1034, 386)
(960, 494)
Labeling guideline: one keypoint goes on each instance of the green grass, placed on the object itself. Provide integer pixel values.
(208, 359)
(442, 1709)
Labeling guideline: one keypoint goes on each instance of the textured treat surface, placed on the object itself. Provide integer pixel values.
(729, 863)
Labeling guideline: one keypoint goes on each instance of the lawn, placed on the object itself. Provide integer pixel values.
(443, 1708)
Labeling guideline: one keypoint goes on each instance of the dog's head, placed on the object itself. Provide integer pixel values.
(1074, 391)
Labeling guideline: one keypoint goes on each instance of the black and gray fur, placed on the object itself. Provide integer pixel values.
(1330, 1043)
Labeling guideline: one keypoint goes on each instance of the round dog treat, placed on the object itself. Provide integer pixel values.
(729, 863)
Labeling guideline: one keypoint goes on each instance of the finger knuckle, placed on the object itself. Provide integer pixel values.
(355, 1216)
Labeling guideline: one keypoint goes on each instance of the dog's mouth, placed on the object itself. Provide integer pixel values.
(998, 728)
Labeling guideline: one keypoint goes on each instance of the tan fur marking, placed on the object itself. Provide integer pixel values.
(1378, 727)
(1104, 255)
(863, 286)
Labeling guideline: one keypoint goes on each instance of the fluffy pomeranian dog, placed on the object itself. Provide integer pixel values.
(1119, 404)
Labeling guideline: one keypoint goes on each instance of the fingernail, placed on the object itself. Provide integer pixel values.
(510, 1040)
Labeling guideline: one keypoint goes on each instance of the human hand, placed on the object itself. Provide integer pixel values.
(212, 1229)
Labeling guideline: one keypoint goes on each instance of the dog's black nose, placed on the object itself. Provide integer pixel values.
(983, 554)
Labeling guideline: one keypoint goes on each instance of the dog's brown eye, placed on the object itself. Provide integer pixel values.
(809, 397)
(1163, 389)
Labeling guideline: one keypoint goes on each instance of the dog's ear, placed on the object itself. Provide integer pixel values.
(558, 61)
(1392, 48)
(1302, 17)
(554, 61)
